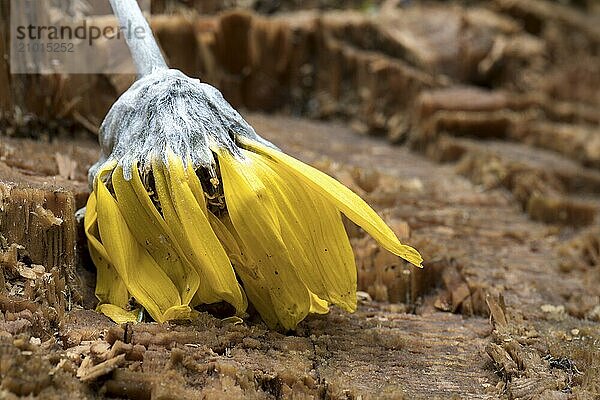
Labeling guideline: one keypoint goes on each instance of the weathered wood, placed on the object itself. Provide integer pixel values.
(372, 70)
(39, 236)
(478, 242)
(41, 220)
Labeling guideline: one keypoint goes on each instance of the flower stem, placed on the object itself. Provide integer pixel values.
(142, 44)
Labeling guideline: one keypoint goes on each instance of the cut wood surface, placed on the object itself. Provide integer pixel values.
(479, 247)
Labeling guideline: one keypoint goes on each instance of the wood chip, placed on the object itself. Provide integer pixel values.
(89, 373)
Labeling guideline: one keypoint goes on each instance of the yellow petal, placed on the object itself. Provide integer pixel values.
(226, 237)
(317, 305)
(314, 235)
(343, 198)
(255, 285)
(188, 220)
(254, 218)
(144, 279)
(196, 187)
(117, 314)
(259, 294)
(109, 286)
(149, 230)
(179, 312)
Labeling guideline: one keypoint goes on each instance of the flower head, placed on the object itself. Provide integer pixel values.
(190, 206)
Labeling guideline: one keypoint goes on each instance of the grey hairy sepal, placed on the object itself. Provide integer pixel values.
(169, 111)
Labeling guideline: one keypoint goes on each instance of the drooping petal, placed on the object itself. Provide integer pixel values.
(245, 268)
(314, 235)
(110, 288)
(317, 305)
(196, 187)
(204, 294)
(255, 286)
(117, 314)
(144, 279)
(347, 201)
(188, 220)
(151, 232)
(259, 293)
(254, 218)
(226, 235)
(179, 312)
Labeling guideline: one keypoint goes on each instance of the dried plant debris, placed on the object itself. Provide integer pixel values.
(532, 364)
(36, 298)
(466, 224)
(582, 251)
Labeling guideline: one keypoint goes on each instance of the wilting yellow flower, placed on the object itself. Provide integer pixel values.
(267, 229)
(190, 206)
